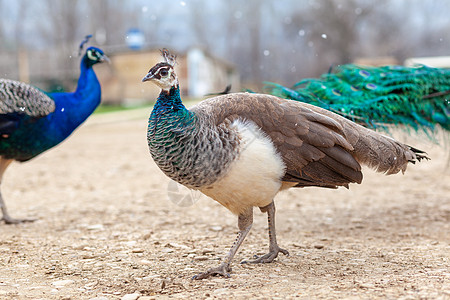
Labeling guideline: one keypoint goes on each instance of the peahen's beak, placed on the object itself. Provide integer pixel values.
(148, 77)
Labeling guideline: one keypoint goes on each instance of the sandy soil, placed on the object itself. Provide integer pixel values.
(106, 229)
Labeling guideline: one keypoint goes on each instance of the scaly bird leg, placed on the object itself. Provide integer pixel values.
(7, 218)
(245, 222)
(4, 163)
(274, 249)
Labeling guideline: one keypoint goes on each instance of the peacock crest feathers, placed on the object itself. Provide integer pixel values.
(19, 97)
(378, 96)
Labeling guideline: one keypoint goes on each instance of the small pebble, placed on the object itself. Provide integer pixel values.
(130, 243)
(221, 291)
(61, 283)
(216, 228)
(95, 227)
(80, 247)
(146, 262)
(147, 235)
(133, 296)
(200, 258)
(366, 285)
(175, 245)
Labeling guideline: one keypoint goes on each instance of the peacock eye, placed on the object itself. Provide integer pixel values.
(164, 72)
(91, 55)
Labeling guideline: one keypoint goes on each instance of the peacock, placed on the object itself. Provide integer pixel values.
(241, 149)
(376, 97)
(33, 121)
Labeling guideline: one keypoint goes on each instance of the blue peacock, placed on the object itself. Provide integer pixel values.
(376, 97)
(242, 149)
(33, 121)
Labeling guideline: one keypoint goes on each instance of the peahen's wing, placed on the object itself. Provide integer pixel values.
(19, 100)
(377, 96)
(314, 146)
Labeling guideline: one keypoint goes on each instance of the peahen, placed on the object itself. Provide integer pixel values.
(376, 97)
(242, 149)
(32, 121)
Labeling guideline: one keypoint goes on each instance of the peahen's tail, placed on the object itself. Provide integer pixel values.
(377, 96)
(384, 154)
(373, 149)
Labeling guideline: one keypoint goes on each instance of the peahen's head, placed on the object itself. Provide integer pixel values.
(163, 73)
(93, 56)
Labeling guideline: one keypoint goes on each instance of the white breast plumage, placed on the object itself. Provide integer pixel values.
(254, 178)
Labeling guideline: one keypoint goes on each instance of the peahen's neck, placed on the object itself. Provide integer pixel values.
(169, 112)
(186, 145)
(169, 101)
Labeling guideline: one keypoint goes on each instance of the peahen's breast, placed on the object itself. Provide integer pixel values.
(192, 153)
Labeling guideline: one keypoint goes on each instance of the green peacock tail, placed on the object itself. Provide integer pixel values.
(379, 96)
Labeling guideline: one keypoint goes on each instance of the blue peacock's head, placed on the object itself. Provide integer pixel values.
(163, 73)
(94, 55)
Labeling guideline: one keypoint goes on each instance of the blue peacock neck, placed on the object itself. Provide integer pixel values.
(87, 96)
(88, 87)
(72, 109)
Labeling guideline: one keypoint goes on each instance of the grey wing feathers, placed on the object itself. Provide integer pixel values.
(313, 146)
(20, 97)
(318, 147)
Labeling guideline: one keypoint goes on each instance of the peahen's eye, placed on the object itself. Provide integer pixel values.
(164, 72)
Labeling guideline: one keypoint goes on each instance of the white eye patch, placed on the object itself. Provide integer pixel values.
(91, 55)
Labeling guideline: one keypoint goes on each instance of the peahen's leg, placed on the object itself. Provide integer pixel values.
(245, 222)
(4, 163)
(274, 249)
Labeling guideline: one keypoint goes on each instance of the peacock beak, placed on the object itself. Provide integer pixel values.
(148, 77)
(105, 58)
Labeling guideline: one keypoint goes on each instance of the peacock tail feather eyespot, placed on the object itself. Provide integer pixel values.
(364, 73)
(336, 92)
(371, 86)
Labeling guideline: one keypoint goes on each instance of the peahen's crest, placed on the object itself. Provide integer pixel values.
(378, 96)
(171, 59)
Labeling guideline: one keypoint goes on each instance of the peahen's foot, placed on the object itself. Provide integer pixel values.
(222, 270)
(8, 220)
(266, 258)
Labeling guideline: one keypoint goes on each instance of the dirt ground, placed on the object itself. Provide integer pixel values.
(107, 229)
